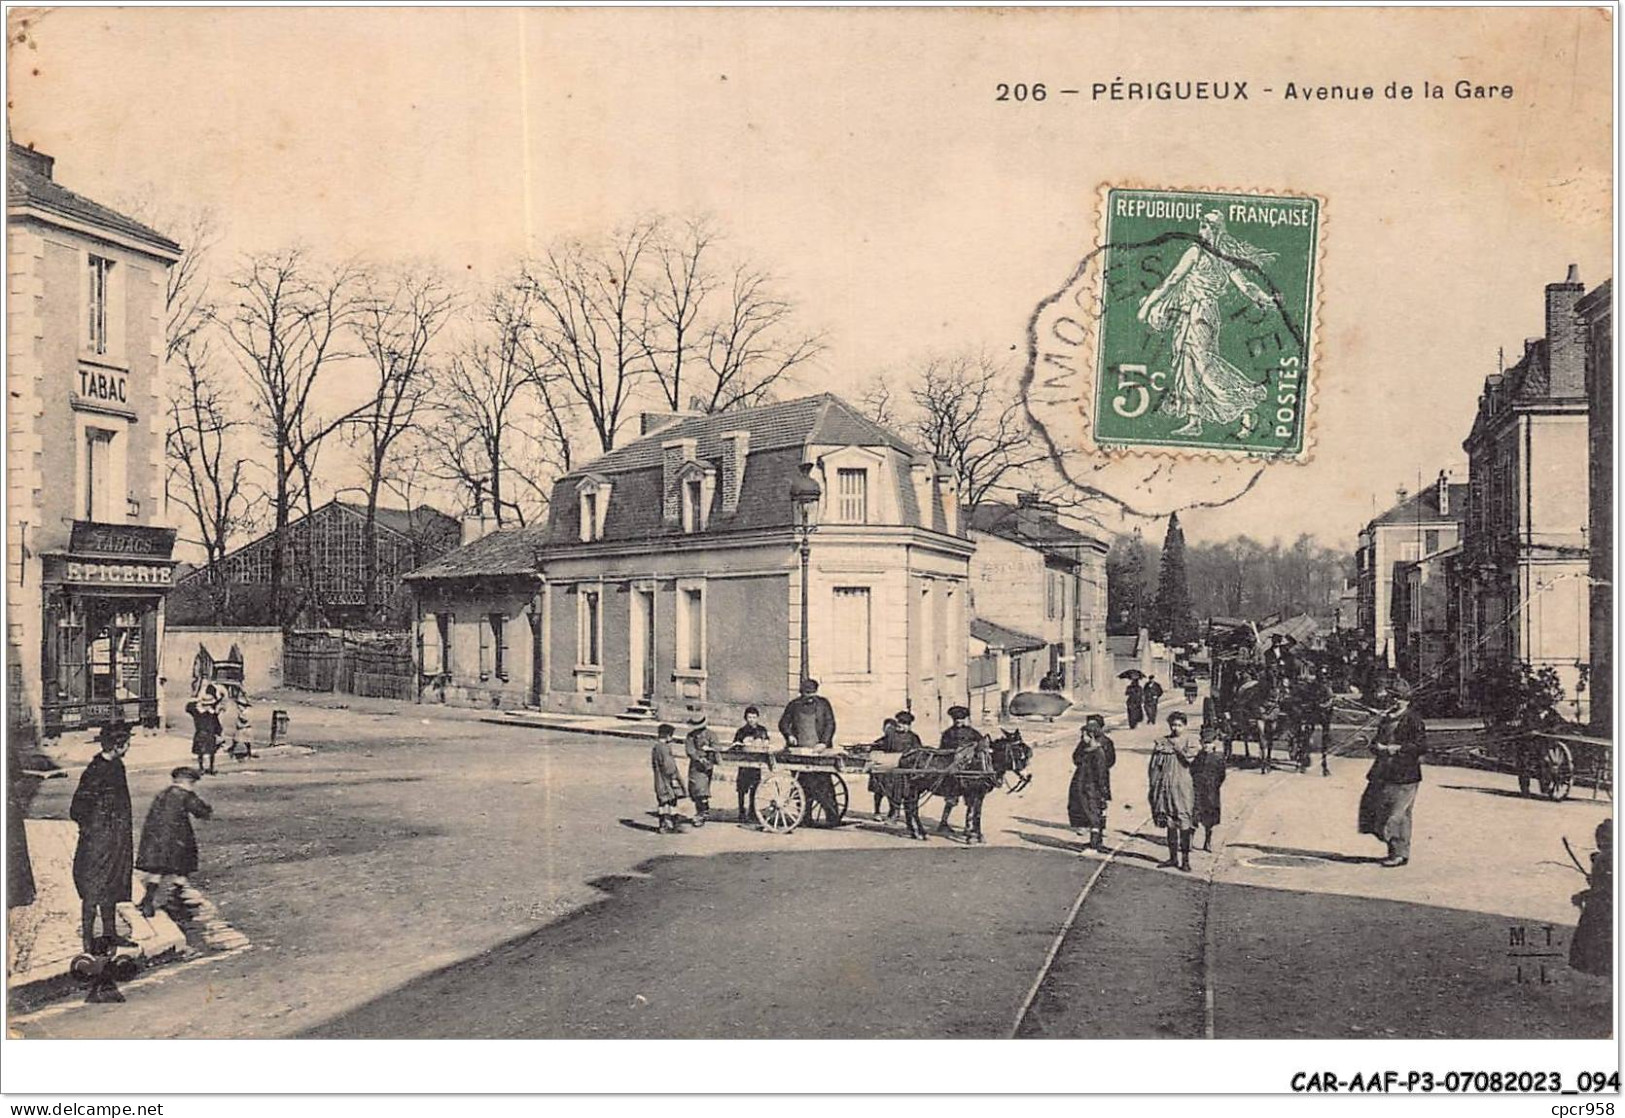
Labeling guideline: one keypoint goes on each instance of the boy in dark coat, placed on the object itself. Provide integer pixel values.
(103, 860)
(701, 748)
(168, 853)
(1207, 777)
(1091, 789)
(668, 780)
(749, 776)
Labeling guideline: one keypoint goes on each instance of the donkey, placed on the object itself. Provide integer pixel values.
(969, 773)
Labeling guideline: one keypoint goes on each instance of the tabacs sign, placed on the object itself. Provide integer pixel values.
(145, 541)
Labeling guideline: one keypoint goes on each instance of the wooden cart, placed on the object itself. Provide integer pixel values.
(780, 802)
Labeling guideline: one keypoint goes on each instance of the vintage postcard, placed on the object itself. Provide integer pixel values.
(811, 524)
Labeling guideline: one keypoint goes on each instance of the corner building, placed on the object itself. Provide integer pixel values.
(88, 561)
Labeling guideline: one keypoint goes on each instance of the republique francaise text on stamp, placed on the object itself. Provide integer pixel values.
(1196, 317)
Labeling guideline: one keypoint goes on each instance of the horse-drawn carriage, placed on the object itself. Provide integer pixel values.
(792, 788)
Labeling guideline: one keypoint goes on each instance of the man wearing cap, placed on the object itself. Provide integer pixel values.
(808, 721)
(104, 858)
(748, 777)
(899, 738)
(960, 735)
(701, 747)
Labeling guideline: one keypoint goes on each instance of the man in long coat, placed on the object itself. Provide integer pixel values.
(701, 748)
(104, 859)
(1091, 789)
(168, 851)
(808, 721)
(1389, 800)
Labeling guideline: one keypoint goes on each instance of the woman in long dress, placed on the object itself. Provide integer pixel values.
(1171, 792)
(1091, 788)
(1204, 386)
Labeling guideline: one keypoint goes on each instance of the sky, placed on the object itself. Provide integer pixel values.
(862, 156)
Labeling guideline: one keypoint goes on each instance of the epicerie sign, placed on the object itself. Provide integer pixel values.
(120, 573)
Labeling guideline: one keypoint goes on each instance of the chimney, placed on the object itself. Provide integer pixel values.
(37, 161)
(652, 421)
(673, 456)
(1565, 337)
(735, 451)
(948, 491)
(1400, 493)
(1032, 513)
(1444, 493)
(476, 524)
(920, 477)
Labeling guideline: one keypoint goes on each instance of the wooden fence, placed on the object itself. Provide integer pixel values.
(376, 667)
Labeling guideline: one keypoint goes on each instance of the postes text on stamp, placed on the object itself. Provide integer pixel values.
(1204, 323)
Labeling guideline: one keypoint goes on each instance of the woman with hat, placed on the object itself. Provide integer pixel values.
(205, 711)
(1171, 792)
(1091, 789)
(1390, 789)
(104, 858)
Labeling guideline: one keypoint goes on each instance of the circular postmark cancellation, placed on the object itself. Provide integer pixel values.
(1177, 360)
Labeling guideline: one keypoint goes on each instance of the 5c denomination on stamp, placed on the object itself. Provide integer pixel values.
(1196, 316)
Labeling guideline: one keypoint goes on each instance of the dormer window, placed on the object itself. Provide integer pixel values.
(594, 497)
(695, 486)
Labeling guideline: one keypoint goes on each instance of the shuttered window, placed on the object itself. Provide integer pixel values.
(852, 487)
(591, 654)
(851, 624)
(499, 644)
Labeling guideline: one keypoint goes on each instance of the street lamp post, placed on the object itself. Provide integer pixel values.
(804, 494)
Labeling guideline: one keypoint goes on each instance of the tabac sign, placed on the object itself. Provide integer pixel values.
(103, 388)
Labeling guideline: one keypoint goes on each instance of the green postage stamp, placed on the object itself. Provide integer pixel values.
(1202, 324)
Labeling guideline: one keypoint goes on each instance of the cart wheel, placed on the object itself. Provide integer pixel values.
(815, 811)
(1556, 772)
(780, 803)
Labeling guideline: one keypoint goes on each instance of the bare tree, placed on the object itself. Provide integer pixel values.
(289, 323)
(493, 440)
(592, 325)
(398, 317)
(206, 475)
(753, 343)
(957, 410)
(715, 338)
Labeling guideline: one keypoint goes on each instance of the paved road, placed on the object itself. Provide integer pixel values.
(435, 877)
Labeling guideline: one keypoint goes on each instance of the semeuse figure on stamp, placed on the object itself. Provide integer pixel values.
(1204, 387)
(104, 858)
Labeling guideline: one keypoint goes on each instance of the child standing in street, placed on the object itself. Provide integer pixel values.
(668, 780)
(168, 853)
(1207, 774)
